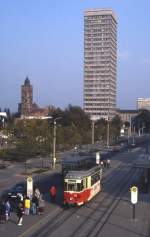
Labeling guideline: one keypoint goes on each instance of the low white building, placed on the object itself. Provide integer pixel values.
(143, 103)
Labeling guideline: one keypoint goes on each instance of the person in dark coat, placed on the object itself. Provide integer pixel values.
(20, 211)
(2, 211)
(41, 205)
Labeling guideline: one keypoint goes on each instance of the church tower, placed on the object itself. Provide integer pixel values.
(26, 105)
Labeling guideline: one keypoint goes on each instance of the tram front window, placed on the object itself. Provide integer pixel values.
(72, 187)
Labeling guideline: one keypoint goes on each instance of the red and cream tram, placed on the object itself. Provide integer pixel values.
(81, 186)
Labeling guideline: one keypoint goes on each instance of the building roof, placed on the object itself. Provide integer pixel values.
(27, 82)
(100, 11)
(127, 111)
(82, 173)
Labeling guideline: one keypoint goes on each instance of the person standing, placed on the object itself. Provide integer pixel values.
(34, 205)
(20, 197)
(53, 192)
(41, 205)
(37, 193)
(2, 211)
(27, 205)
(20, 211)
(108, 163)
(7, 209)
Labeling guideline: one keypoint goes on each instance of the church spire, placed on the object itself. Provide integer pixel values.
(27, 81)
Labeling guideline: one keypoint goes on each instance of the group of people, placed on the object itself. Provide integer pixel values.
(35, 205)
(26, 205)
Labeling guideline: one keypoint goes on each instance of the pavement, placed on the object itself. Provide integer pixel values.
(33, 222)
(121, 222)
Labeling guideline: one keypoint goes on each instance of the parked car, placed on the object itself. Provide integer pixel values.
(16, 190)
(2, 166)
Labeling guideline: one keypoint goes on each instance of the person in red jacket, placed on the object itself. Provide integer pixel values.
(53, 192)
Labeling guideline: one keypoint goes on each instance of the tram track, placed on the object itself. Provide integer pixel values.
(63, 216)
(105, 208)
(59, 219)
(108, 208)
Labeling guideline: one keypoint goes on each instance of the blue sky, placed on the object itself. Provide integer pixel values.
(44, 40)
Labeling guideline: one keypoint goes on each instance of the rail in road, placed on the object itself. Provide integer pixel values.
(94, 214)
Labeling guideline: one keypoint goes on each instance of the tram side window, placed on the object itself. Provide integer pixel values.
(71, 187)
(95, 178)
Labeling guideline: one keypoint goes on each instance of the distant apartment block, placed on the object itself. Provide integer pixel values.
(100, 63)
(143, 103)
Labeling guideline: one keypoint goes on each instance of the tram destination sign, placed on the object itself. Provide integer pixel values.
(134, 195)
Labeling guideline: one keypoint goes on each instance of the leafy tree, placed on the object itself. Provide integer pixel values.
(143, 120)
(115, 127)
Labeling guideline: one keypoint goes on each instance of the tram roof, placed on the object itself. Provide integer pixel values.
(81, 156)
(76, 158)
(81, 173)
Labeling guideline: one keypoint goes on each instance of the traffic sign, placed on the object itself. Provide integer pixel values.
(134, 195)
(29, 186)
(29, 179)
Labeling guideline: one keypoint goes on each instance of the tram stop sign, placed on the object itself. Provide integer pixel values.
(134, 195)
(29, 186)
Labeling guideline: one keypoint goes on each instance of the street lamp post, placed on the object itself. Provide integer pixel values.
(93, 132)
(47, 118)
(54, 142)
(108, 132)
(132, 130)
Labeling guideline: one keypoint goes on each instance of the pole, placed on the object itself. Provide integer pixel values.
(54, 144)
(93, 132)
(108, 132)
(25, 166)
(133, 214)
(134, 135)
